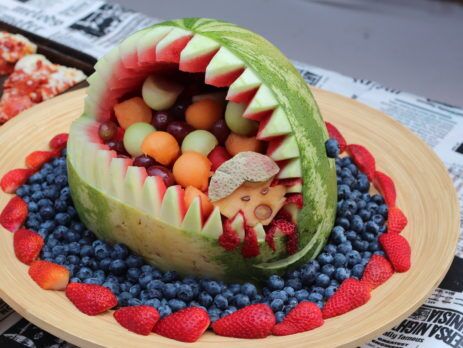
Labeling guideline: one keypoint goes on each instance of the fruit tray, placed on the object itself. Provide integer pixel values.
(425, 194)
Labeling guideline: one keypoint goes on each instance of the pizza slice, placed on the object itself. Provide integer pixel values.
(12, 48)
(34, 80)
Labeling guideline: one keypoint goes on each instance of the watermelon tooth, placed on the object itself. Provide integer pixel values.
(153, 194)
(244, 88)
(223, 69)
(263, 104)
(173, 206)
(197, 54)
(192, 221)
(291, 169)
(103, 162)
(133, 185)
(146, 48)
(283, 148)
(275, 125)
(117, 170)
(169, 48)
(213, 226)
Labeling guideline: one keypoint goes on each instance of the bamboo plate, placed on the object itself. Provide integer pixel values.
(425, 193)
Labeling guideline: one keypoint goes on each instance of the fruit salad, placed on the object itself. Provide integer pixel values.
(200, 157)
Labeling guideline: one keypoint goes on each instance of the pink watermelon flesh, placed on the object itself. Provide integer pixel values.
(243, 97)
(171, 53)
(197, 64)
(224, 80)
(259, 115)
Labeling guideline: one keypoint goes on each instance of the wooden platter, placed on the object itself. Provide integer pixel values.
(425, 194)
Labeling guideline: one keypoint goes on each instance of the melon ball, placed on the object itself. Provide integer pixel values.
(192, 169)
(134, 136)
(200, 141)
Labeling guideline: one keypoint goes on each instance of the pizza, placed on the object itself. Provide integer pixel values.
(13, 47)
(33, 80)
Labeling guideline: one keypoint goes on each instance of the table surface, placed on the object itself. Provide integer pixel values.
(414, 45)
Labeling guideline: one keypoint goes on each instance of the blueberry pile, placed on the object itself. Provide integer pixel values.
(359, 222)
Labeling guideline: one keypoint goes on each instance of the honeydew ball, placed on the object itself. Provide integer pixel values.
(134, 136)
(160, 93)
(236, 122)
(199, 141)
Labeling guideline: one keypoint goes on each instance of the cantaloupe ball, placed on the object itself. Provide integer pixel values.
(236, 143)
(192, 169)
(132, 111)
(204, 113)
(191, 193)
(162, 146)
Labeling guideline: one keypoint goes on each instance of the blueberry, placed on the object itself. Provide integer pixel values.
(357, 223)
(71, 236)
(280, 294)
(329, 291)
(63, 218)
(74, 280)
(328, 270)
(343, 222)
(308, 274)
(60, 205)
(144, 279)
(345, 172)
(325, 258)
(84, 273)
(153, 302)
(363, 185)
(205, 299)
(364, 214)
(295, 283)
(315, 297)
(227, 294)
(369, 237)
(289, 290)
(77, 227)
(249, 290)
(51, 193)
(361, 205)
(360, 245)
(241, 300)
(293, 302)
(48, 225)
(380, 253)
(118, 267)
(125, 286)
(134, 261)
(372, 227)
(378, 219)
(169, 290)
(33, 207)
(176, 304)
(275, 282)
(32, 224)
(332, 148)
(72, 212)
(277, 305)
(344, 248)
(382, 209)
(340, 274)
(212, 287)
(61, 181)
(220, 302)
(95, 281)
(330, 248)
(372, 206)
(72, 259)
(378, 199)
(36, 196)
(357, 271)
(74, 248)
(101, 251)
(234, 288)
(170, 276)
(337, 235)
(86, 250)
(279, 316)
(134, 302)
(59, 250)
(322, 280)
(214, 314)
(51, 242)
(185, 292)
(302, 295)
(155, 284)
(228, 311)
(88, 262)
(119, 251)
(343, 191)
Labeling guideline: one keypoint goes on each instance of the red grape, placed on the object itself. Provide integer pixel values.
(107, 130)
(144, 161)
(117, 146)
(161, 119)
(165, 174)
(179, 130)
(178, 110)
(220, 130)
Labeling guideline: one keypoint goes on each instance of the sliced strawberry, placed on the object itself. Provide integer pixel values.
(91, 299)
(288, 229)
(27, 245)
(186, 325)
(305, 316)
(217, 156)
(37, 159)
(14, 214)
(397, 250)
(363, 159)
(386, 187)
(250, 246)
(377, 272)
(350, 295)
(396, 220)
(295, 198)
(59, 141)
(334, 133)
(253, 321)
(138, 319)
(49, 275)
(229, 239)
(15, 178)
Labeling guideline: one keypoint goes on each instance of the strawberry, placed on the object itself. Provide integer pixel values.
(397, 250)
(288, 229)
(59, 141)
(138, 319)
(186, 325)
(37, 159)
(250, 246)
(217, 156)
(305, 316)
(15, 178)
(253, 321)
(49, 275)
(386, 187)
(91, 299)
(334, 133)
(229, 239)
(27, 245)
(350, 295)
(295, 198)
(396, 220)
(377, 272)
(14, 214)
(363, 159)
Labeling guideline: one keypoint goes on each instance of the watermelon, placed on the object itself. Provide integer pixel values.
(120, 203)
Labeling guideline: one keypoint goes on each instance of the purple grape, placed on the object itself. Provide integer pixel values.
(117, 146)
(165, 174)
(161, 119)
(144, 161)
(179, 129)
(107, 130)
(178, 110)
(220, 130)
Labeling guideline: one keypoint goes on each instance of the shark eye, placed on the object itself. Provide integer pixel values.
(246, 198)
(264, 191)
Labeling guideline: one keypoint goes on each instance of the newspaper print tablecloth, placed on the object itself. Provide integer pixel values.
(95, 26)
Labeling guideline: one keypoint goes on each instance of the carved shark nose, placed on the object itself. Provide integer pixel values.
(263, 212)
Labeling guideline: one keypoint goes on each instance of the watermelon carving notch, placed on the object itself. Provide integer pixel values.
(120, 203)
